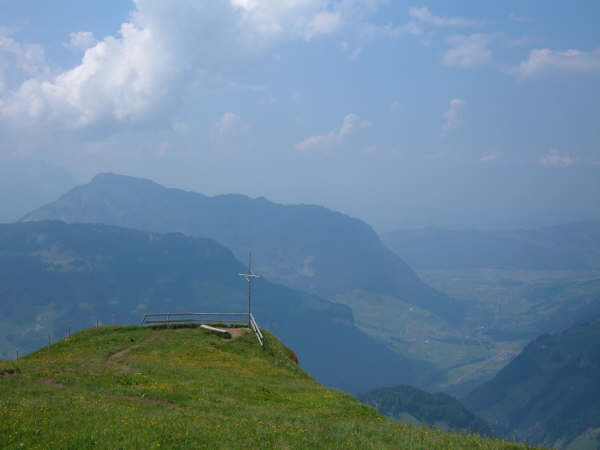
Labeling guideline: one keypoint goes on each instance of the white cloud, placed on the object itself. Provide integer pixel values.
(423, 15)
(546, 60)
(517, 18)
(81, 40)
(349, 124)
(298, 18)
(467, 51)
(120, 79)
(227, 123)
(555, 159)
(322, 23)
(28, 58)
(141, 74)
(453, 117)
(422, 20)
(163, 149)
(268, 100)
(395, 106)
(368, 31)
(493, 156)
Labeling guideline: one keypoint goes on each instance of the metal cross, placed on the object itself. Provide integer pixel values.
(250, 276)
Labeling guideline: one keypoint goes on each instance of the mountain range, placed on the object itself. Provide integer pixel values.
(56, 275)
(305, 247)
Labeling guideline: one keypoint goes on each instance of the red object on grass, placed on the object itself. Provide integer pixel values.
(294, 356)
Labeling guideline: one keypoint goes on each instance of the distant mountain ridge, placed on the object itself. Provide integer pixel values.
(569, 246)
(55, 275)
(302, 246)
(550, 393)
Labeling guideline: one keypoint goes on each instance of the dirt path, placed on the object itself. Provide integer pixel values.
(237, 332)
(50, 382)
(111, 361)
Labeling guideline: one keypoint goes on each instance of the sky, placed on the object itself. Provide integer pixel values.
(462, 114)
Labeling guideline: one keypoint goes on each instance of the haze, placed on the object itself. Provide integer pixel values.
(475, 114)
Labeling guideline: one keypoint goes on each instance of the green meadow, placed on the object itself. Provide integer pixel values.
(133, 387)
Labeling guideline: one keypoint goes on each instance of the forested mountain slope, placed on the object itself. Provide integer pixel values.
(550, 393)
(411, 405)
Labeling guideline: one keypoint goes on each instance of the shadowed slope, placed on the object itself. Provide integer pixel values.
(550, 393)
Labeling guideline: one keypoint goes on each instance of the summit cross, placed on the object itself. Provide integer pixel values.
(250, 276)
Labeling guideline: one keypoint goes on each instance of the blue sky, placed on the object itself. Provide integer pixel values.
(405, 114)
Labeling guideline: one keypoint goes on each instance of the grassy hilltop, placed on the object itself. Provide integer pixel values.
(133, 387)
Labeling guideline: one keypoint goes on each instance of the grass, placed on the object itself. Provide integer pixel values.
(133, 387)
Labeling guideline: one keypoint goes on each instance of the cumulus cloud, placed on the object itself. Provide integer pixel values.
(453, 118)
(467, 51)
(334, 137)
(119, 79)
(555, 159)
(134, 77)
(546, 60)
(81, 40)
(227, 123)
(298, 18)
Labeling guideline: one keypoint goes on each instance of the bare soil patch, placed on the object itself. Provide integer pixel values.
(111, 361)
(51, 382)
(147, 401)
(237, 332)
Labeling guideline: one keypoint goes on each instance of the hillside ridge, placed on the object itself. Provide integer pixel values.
(134, 387)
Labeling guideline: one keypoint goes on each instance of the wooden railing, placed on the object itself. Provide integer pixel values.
(188, 317)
